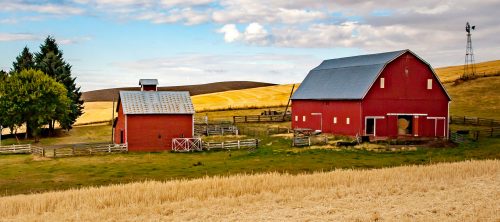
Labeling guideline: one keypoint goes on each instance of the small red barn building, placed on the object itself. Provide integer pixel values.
(148, 120)
(385, 95)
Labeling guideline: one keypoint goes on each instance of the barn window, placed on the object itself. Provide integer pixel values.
(382, 83)
(296, 118)
(335, 120)
(429, 83)
(348, 121)
(303, 118)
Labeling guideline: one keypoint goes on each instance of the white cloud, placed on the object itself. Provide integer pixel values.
(231, 33)
(256, 34)
(55, 9)
(7, 37)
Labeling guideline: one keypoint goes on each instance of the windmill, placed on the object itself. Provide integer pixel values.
(469, 70)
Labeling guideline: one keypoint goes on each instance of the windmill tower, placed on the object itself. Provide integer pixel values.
(469, 70)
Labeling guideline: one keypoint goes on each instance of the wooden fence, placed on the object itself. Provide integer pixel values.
(84, 150)
(15, 149)
(229, 145)
(215, 129)
(65, 150)
(278, 130)
(186, 144)
(309, 140)
(476, 121)
(261, 118)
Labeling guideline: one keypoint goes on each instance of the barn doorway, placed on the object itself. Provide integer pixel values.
(370, 126)
(405, 125)
(121, 137)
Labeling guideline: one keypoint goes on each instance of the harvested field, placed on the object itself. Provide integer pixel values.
(463, 191)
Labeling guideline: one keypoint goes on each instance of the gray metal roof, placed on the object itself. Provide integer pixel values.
(344, 78)
(152, 102)
(148, 82)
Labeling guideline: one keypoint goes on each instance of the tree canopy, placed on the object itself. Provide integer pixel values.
(34, 98)
(50, 61)
(23, 61)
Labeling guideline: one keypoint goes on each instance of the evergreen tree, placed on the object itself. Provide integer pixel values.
(23, 61)
(50, 61)
(3, 75)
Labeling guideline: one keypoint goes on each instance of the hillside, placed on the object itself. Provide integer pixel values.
(450, 73)
(479, 97)
(109, 94)
(460, 191)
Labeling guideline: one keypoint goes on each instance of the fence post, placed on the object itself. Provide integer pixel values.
(309, 140)
(222, 145)
(238, 144)
(55, 152)
(256, 143)
(492, 132)
(246, 119)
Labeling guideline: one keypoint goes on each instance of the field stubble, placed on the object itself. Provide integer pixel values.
(462, 191)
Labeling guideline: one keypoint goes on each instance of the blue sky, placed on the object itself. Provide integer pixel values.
(113, 43)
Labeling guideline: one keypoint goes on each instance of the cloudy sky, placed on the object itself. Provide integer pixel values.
(113, 43)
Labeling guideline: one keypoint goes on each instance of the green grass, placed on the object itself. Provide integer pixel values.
(479, 97)
(80, 134)
(22, 174)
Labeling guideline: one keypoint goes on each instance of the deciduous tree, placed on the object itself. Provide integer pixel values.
(34, 98)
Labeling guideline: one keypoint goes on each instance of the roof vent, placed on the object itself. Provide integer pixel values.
(148, 84)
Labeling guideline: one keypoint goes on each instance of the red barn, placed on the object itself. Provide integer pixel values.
(385, 95)
(148, 119)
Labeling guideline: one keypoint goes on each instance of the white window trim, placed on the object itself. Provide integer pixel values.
(303, 118)
(347, 121)
(429, 83)
(374, 123)
(334, 120)
(382, 83)
(296, 118)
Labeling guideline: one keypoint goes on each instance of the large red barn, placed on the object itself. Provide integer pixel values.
(385, 95)
(148, 120)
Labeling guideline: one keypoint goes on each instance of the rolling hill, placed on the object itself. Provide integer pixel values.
(110, 94)
(473, 98)
(450, 73)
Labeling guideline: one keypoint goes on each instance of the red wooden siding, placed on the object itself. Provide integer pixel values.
(328, 109)
(405, 92)
(152, 132)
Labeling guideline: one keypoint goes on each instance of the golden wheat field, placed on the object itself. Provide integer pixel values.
(462, 191)
(261, 97)
(450, 73)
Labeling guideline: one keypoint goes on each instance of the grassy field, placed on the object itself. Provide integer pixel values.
(26, 173)
(450, 73)
(464, 191)
(479, 97)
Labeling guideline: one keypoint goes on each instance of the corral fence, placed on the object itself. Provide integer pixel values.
(299, 141)
(230, 145)
(462, 136)
(16, 149)
(261, 118)
(65, 150)
(278, 130)
(475, 121)
(215, 129)
(196, 144)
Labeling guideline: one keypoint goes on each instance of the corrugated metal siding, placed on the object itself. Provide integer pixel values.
(150, 102)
